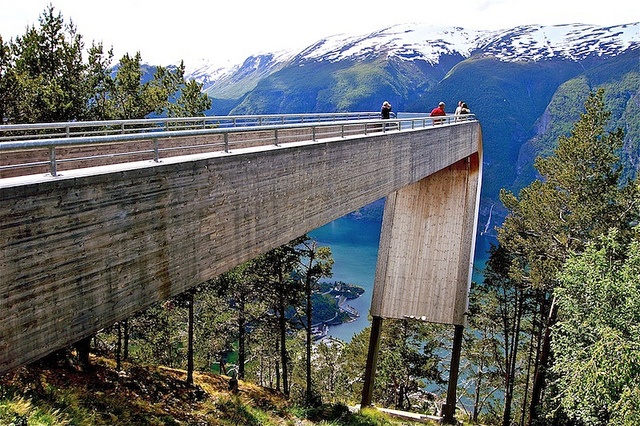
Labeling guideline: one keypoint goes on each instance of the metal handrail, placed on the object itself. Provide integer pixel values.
(88, 128)
(231, 125)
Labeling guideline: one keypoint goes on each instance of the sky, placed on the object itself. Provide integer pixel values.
(225, 32)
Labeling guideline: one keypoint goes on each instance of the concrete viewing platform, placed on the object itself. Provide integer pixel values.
(91, 246)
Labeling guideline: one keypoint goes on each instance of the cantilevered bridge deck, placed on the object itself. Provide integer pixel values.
(100, 223)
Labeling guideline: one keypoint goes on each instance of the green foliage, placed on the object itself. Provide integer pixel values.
(324, 307)
(48, 72)
(578, 199)
(563, 110)
(360, 83)
(19, 411)
(597, 337)
(157, 335)
(501, 317)
(191, 102)
(44, 78)
(409, 359)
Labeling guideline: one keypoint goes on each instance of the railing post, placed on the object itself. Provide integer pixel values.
(156, 151)
(313, 133)
(53, 167)
(275, 134)
(226, 141)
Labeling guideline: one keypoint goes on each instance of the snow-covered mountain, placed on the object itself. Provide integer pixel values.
(428, 44)
(575, 42)
(525, 84)
(231, 82)
(525, 43)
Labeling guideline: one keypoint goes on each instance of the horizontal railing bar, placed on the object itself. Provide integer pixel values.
(212, 120)
(344, 126)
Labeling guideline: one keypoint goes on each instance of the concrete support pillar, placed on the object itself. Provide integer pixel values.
(425, 257)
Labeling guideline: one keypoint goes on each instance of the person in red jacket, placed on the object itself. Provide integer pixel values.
(438, 112)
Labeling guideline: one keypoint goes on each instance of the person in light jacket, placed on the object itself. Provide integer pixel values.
(461, 111)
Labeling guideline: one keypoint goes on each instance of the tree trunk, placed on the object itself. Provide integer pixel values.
(476, 400)
(283, 351)
(511, 365)
(241, 339)
(540, 376)
(119, 348)
(82, 349)
(190, 340)
(125, 343)
(528, 377)
(308, 348)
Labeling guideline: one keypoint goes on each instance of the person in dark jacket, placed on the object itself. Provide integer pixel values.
(385, 111)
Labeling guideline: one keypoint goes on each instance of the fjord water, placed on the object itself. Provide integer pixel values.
(354, 245)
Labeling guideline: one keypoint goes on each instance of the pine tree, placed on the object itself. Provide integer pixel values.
(316, 263)
(578, 198)
(49, 72)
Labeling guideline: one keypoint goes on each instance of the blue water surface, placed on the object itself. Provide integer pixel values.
(354, 246)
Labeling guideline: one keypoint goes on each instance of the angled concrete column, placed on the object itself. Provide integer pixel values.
(425, 258)
(426, 247)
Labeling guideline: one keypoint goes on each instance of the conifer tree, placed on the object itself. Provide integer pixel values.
(500, 312)
(316, 263)
(578, 197)
(49, 72)
(274, 272)
(8, 84)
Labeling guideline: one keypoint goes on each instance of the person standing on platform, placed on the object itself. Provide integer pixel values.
(385, 111)
(438, 112)
(459, 108)
(461, 111)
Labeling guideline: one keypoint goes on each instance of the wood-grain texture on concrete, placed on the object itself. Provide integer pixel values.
(426, 246)
(83, 250)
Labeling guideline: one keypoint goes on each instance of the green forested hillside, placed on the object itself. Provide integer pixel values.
(523, 106)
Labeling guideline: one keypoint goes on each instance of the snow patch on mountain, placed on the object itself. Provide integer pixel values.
(573, 42)
(428, 43)
(406, 41)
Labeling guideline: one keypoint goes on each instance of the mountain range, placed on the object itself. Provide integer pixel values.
(527, 85)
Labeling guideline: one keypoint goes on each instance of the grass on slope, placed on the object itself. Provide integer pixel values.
(62, 394)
